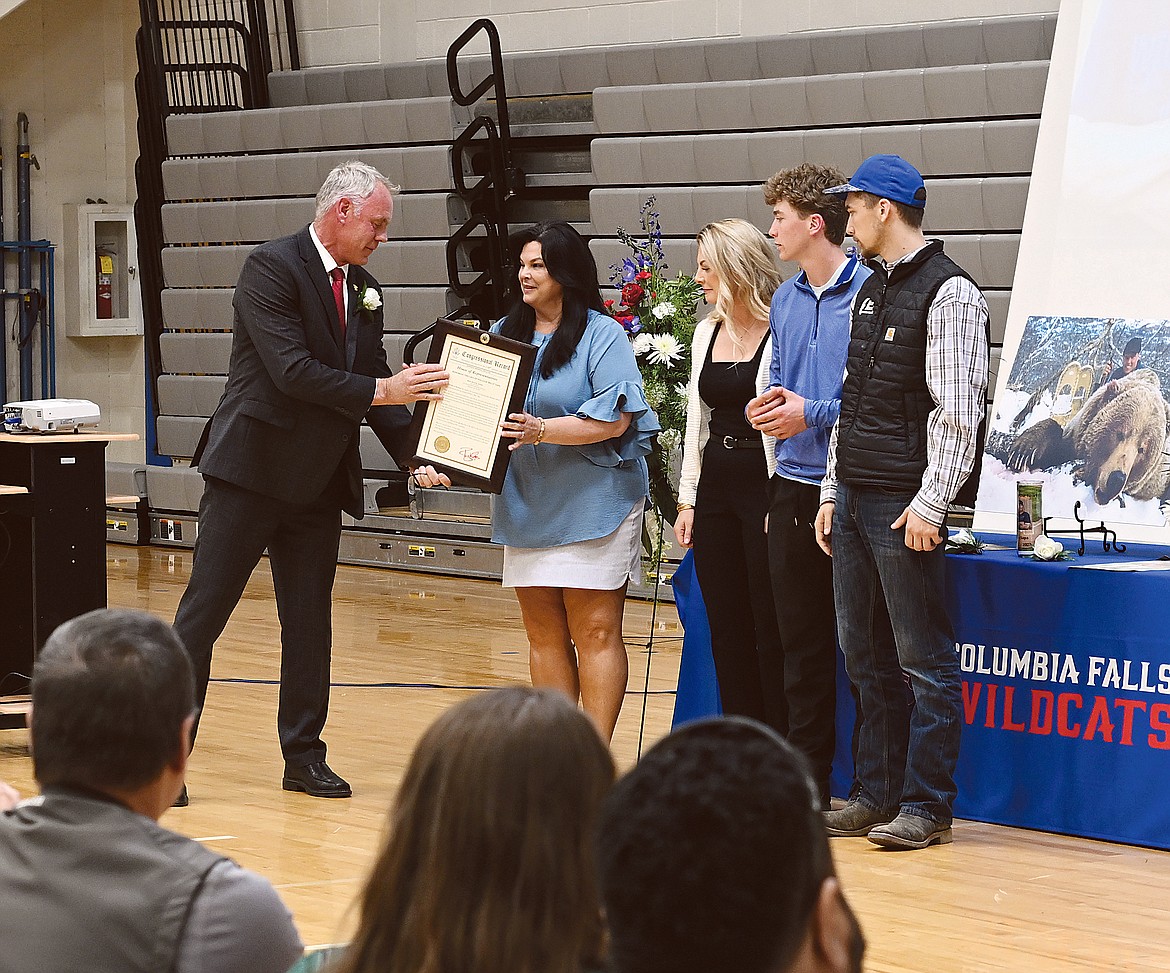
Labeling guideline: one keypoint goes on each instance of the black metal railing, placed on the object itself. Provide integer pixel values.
(213, 55)
(484, 151)
(195, 56)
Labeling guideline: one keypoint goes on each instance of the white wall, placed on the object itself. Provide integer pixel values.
(69, 65)
(366, 31)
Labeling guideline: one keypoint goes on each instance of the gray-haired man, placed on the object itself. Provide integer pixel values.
(280, 455)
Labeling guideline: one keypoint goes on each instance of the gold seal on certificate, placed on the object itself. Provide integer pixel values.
(460, 435)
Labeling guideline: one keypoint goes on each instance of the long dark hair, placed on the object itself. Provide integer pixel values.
(488, 866)
(570, 263)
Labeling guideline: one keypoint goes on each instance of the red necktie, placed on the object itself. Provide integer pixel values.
(338, 276)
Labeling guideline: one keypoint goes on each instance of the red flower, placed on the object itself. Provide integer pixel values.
(642, 275)
(632, 294)
(609, 304)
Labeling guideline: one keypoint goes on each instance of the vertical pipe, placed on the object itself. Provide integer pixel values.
(3, 287)
(46, 296)
(294, 44)
(51, 390)
(24, 161)
(1, 193)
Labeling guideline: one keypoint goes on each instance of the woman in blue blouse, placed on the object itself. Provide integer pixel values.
(570, 512)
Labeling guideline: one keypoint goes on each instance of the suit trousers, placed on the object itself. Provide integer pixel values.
(731, 563)
(235, 526)
(802, 588)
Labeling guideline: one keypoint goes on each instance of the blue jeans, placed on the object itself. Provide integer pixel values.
(899, 654)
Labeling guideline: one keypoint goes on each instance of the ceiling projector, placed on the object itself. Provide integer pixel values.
(50, 415)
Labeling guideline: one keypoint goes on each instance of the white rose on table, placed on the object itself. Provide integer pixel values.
(1046, 549)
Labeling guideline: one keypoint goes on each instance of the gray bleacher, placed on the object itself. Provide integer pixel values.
(700, 124)
(1011, 89)
(967, 117)
(798, 55)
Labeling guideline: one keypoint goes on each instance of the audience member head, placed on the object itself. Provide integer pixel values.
(737, 268)
(886, 200)
(113, 701)
(488, 865)
(354, 207)
(712, 855)
(802, 210)
(556, 272)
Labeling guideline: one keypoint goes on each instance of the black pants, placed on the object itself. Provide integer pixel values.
(802, 588)
(731, 562)
(235, 526)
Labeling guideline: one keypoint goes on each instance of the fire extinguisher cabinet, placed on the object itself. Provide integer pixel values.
(101, 250)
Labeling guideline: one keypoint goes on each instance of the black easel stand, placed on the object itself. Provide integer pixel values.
(1109, 539)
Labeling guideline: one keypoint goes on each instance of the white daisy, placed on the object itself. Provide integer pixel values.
(665, 349)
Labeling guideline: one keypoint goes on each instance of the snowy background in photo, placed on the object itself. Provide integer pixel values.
(1032, 392)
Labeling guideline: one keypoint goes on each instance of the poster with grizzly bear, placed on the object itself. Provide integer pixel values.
(1084, 411)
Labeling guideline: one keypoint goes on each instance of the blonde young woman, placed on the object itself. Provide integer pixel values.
(723, 493)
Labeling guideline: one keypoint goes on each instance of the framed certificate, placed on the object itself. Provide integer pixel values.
(460, 435)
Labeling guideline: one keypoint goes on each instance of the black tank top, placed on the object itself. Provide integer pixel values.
(726, 388)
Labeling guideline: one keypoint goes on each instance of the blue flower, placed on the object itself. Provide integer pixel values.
(631, 268)
(631, 322)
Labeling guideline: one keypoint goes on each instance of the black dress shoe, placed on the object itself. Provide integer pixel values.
(316, 780)
(182, 800)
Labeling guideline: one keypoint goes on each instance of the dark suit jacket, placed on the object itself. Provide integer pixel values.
(294, 397)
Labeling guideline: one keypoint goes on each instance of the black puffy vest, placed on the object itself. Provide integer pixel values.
(885, 401)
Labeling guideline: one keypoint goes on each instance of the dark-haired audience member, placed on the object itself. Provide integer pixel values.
(88, 878)
(488, 865)
(712, 855)
(570, 513)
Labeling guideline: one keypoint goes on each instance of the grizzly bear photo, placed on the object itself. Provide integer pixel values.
(1117, 440)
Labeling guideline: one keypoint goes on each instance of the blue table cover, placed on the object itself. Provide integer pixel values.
(1066, 692)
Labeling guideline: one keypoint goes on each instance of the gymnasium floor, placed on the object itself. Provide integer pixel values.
(409, 645)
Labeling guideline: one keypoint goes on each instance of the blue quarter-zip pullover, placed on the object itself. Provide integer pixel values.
(810, 338)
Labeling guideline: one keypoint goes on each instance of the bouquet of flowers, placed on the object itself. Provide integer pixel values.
(658, 314)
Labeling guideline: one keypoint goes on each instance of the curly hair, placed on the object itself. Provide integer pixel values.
(803, 188)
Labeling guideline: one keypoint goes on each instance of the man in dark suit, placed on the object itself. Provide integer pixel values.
(280, 457)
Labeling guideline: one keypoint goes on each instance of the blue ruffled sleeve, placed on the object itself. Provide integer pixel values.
(617, 386)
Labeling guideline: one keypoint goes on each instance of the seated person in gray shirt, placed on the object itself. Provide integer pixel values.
(88, 878)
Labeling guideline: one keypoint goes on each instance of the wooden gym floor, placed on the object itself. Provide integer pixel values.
(409, 645)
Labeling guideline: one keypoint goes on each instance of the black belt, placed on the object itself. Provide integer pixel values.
(743, 442)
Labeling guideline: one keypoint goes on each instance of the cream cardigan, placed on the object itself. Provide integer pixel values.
(699, 414)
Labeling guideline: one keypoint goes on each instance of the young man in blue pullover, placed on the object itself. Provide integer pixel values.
(810, 336)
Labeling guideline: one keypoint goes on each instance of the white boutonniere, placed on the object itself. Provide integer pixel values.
(371, 298)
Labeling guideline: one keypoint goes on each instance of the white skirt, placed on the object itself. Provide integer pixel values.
(602, 563)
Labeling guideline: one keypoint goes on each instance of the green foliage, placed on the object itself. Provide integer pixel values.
(658, 314)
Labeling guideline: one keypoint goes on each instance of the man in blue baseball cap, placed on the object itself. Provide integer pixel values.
(904, 449)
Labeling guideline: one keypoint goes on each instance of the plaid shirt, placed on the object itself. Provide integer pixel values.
(956, 374)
